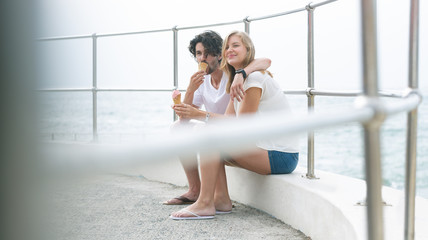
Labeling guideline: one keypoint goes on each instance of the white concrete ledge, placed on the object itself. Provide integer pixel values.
(325, 208)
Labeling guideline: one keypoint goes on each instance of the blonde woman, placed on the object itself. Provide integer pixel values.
(262, 95)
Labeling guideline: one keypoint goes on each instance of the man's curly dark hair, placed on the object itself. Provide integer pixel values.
(211, 41)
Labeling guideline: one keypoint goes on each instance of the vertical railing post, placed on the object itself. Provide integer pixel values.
(247, 25)
(412, 122)
(372, 128)
(175, 59)
(311, 101)
(94, 89)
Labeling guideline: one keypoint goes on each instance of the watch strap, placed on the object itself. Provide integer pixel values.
(241, 71)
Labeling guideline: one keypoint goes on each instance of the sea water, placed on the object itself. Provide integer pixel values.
(137, 116)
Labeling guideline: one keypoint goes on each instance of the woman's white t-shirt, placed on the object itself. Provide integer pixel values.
(271, 100)
(214, 100)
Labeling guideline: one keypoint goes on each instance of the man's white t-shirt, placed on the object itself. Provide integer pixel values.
(214, 100)
(272, 100)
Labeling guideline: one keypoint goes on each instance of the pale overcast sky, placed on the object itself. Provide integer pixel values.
(337, 39)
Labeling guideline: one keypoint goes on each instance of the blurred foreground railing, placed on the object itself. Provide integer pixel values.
(369, 111)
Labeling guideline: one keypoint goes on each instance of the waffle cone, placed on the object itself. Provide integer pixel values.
(202, 66)
(176, 97)
(177, 100)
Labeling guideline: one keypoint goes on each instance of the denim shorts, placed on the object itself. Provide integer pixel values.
(282, 162)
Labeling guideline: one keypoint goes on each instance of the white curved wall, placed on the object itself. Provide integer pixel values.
(325, 208)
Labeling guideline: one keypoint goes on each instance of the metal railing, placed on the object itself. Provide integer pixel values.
(371, 112)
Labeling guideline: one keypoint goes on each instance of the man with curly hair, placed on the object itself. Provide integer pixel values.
(207, 88)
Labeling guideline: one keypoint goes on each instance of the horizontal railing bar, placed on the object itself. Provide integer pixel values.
(338, 93)
(104, 35)
(103, 90)
(276, 15)
(65, 90)
(335, 93)
(106, 90)
(133, 33)
(291, 92)
(65, 38)
(294, 92)
(89, 133)
(135, 90)
(390, 94)
(405, 105)
(271, 126)
(210, 25)
(314, 5)
(242, 133)
(187, 27)
(239, 137)
(351, 93)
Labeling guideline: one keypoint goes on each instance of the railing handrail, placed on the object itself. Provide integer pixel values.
(241, 132)
(314, 92)
(250, 129)
(106, 89)
(187, 27)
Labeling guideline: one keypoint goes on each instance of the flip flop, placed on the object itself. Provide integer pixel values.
(217, 212)
(182, 201)
(195, 216)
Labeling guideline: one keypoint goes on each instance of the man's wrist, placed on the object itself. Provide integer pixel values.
(248, 70)
(207, 116)
(188, 95)
(190, 91)
(241, 71)
(201, 115)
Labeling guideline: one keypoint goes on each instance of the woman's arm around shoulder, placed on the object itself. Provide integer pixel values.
(237, 88)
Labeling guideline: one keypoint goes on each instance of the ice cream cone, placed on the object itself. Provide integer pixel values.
(176, 97)
(202, 66)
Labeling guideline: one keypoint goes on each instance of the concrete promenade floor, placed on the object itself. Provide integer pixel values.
(129, 207)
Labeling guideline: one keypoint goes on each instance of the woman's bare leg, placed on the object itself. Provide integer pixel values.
(204, 206)
(256, 161)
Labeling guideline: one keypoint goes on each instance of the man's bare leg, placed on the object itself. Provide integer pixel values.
(190, 166)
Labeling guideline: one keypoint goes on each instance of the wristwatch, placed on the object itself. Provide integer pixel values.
(241, 71)
(207, 117)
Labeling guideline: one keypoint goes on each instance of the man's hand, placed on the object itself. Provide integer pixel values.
(237, 88)
(195, 81)
(185, 111)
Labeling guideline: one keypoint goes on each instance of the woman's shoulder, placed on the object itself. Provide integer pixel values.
(256, 79)
(258, 75)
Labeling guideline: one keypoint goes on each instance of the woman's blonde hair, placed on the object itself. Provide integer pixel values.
(251, 52)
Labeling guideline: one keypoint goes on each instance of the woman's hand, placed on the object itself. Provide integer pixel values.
(237, 88)
(195, 81)
(185, 111)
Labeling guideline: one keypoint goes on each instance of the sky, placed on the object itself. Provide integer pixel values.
(146, 60)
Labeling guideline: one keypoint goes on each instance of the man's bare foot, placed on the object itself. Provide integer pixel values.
(187, 198)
